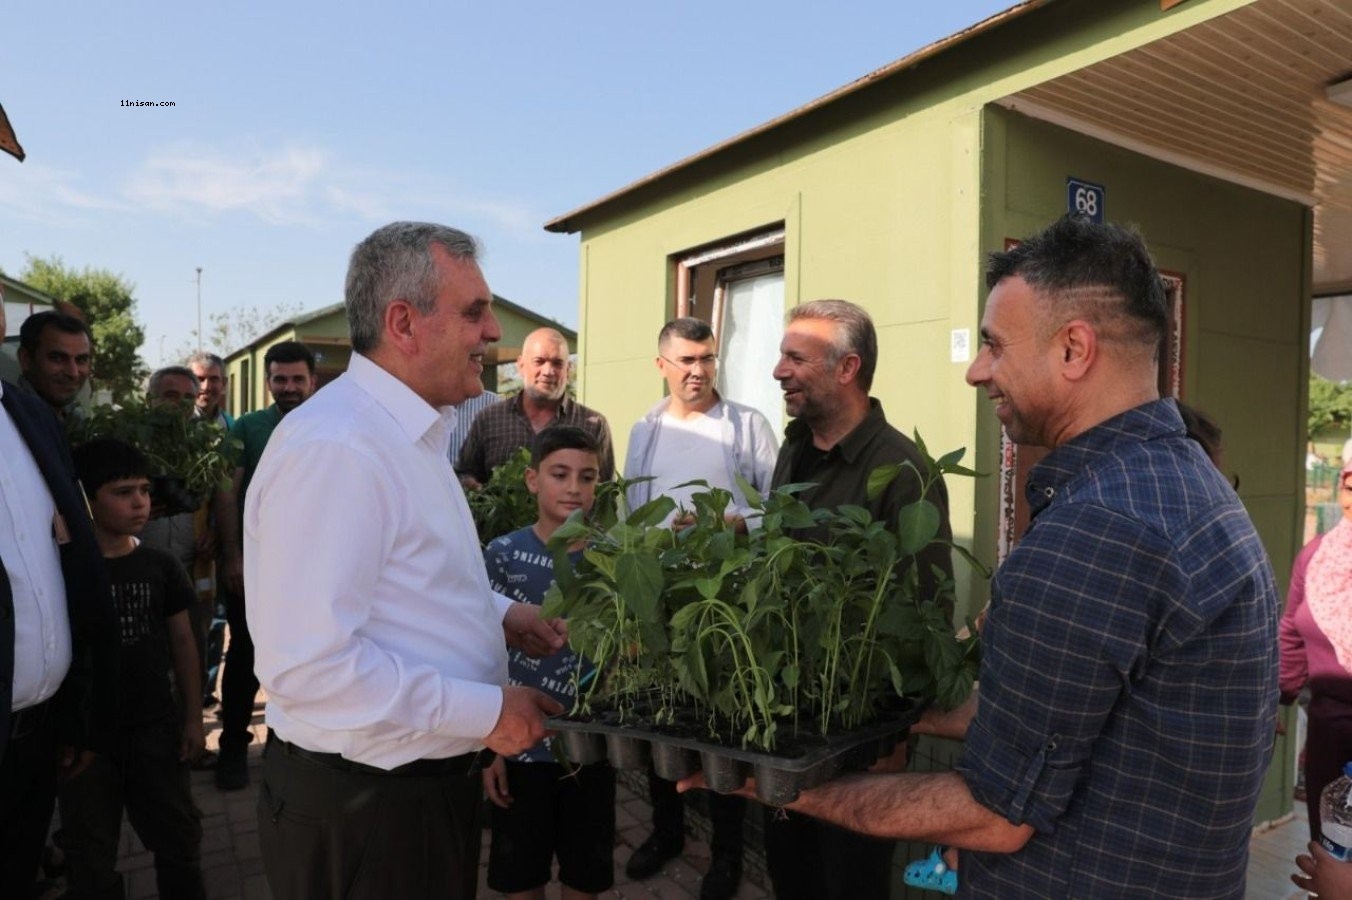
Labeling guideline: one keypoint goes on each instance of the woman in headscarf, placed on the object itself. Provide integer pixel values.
(1316, 642)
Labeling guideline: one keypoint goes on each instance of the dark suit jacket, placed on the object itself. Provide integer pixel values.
(85, 708)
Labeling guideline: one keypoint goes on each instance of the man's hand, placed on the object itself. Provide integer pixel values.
(521, 724)
(193, 742)
(496, 788)
(470, 483)
(71, 762)
(1331, 879)
(532, 635)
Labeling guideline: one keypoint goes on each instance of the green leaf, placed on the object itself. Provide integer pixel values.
(652, 512)
(917, 525)
(880, 478)
(638, 578)
(798, 515)
(749, 492)
(709, 587)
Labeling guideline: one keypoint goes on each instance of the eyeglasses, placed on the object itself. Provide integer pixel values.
(686, 363)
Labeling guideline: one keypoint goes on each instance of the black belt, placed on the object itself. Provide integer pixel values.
(23, 722)
(419, 768)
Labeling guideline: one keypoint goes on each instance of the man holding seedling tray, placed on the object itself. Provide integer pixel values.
(1128, 679)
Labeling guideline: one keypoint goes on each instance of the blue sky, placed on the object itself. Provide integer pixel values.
(300, 127)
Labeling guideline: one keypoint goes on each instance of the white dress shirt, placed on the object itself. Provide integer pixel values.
(28, 547)
(377, 635)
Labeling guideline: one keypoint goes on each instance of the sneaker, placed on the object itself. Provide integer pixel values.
(651, 855)
(232, 767)
(722, 879)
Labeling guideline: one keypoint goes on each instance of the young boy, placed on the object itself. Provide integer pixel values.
(540, 809)
(147, 769)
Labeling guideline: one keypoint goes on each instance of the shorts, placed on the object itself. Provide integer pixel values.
(554, 814)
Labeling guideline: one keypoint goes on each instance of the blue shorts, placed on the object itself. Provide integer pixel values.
(554, 814)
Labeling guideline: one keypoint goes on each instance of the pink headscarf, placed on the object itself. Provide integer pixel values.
(1328, 584)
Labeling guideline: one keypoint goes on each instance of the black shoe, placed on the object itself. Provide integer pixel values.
(720, 882)
(232, 767)
(650, 856)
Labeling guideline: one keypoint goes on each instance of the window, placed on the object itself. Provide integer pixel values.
(738, 287)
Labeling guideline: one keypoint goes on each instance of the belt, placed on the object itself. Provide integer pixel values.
(419, 768)
(23, 722)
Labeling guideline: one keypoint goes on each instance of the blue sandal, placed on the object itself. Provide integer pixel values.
(932, 874)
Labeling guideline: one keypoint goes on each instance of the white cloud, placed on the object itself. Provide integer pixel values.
(45, 194)
(279, 187)
(292, 184)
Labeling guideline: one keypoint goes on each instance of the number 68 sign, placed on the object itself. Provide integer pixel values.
(1086, 198)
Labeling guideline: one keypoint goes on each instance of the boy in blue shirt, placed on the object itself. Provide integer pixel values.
(159, 734)
(540, 809)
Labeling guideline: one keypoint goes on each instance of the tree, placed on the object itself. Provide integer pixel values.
(107, 301)
(1330, 405)
(233, 328)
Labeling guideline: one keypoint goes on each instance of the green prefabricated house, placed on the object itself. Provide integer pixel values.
(325, 332)
(1218, 127)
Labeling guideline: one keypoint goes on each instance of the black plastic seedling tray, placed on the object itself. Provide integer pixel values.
(811, 760)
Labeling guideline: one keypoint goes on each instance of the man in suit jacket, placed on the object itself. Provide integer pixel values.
(58, 631)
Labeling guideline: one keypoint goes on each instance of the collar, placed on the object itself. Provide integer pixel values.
(851, 445)
(1155, 419)
(412, 413)
(519, 405)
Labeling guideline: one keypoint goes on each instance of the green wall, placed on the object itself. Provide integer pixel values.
(1245, 257)
(890, 196)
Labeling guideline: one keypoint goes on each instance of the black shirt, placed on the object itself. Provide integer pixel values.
(841, 476)
(149, 586)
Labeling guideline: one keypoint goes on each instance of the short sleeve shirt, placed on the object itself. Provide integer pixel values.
(149, 586)
(521, 567)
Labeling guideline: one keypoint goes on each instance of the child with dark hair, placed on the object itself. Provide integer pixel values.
(540, 810)
(147, 770)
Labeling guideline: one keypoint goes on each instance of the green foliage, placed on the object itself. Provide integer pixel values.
(1330, 405)
(504, 504)
(179, 445)
(761, 631)
(107, 302)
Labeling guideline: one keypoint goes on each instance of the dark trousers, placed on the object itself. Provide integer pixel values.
(27, 795)
(726, 812)
(239, 685)
(810, 859)
(144, 775)
(209, 627)
(1328, 745)
(215, 648)
(330, 832)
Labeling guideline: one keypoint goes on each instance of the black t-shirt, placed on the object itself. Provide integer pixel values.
(149, 586)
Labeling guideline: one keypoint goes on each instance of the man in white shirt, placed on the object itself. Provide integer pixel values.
(381, 646)
(58, 631)
(694, 434)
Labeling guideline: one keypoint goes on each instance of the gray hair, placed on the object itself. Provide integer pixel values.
(157, 379)
(395, 263)
(854, 333)
(206, 360)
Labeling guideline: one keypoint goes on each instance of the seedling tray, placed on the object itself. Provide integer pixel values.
(812, 758)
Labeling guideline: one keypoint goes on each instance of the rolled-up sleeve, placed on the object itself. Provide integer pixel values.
(1069, 624)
